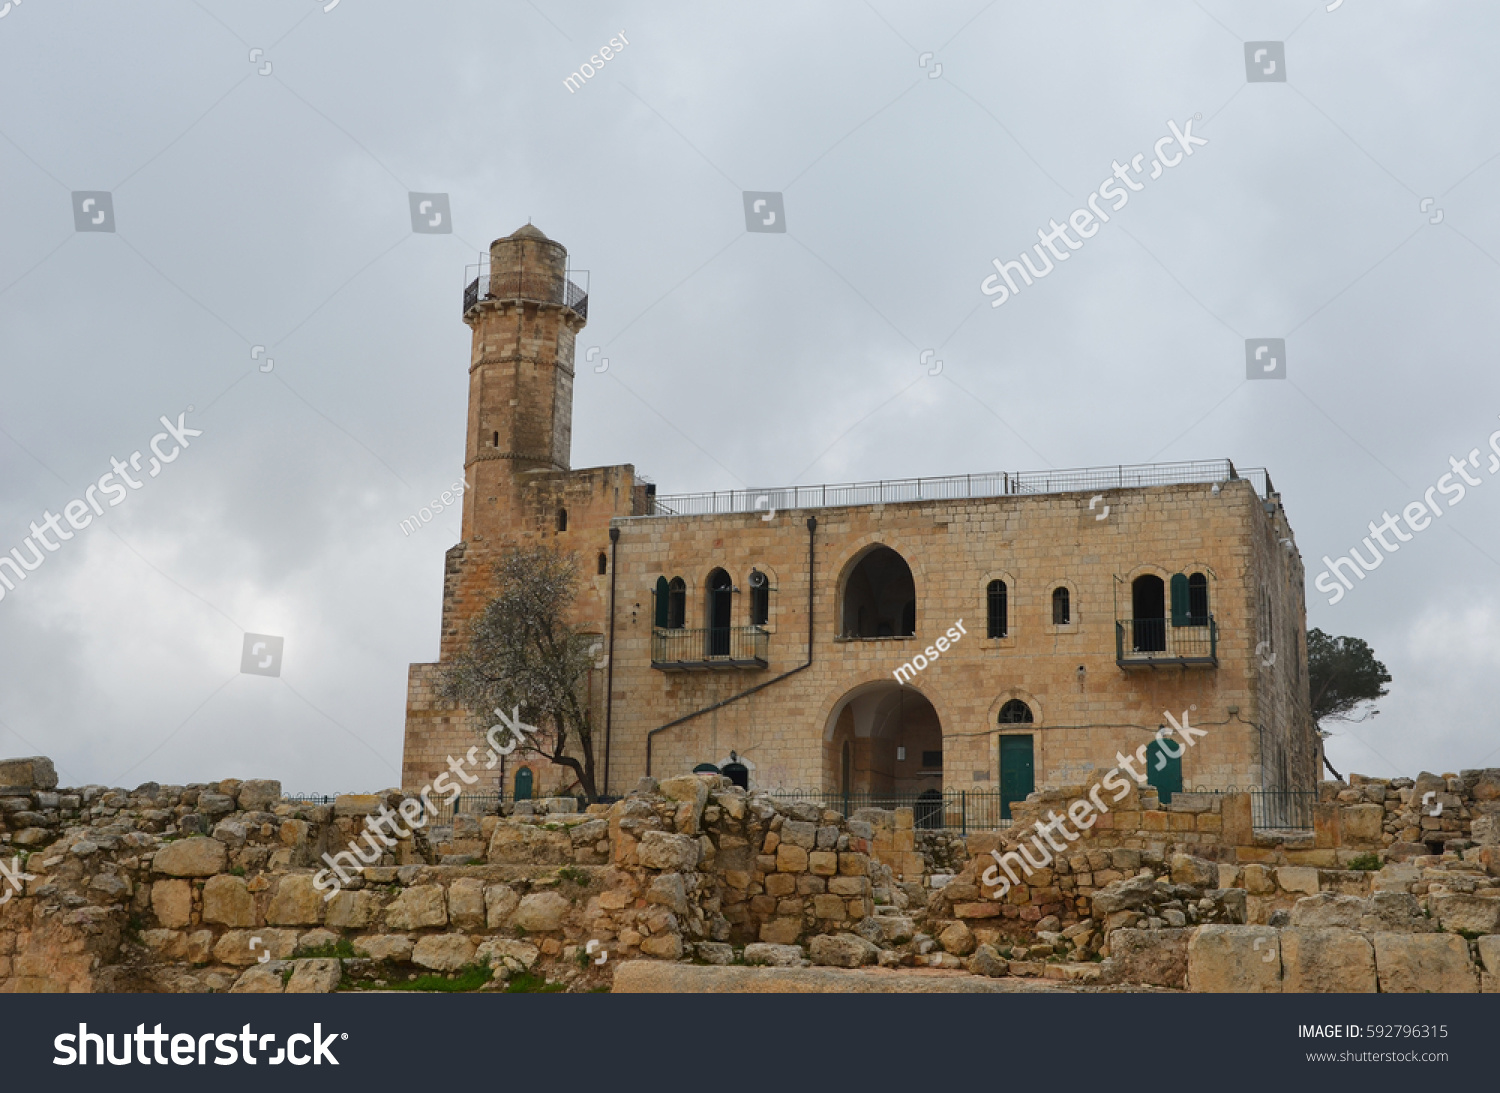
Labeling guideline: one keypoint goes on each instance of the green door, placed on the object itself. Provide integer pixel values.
(1017, 772)
(1163, 770)
(523, 784)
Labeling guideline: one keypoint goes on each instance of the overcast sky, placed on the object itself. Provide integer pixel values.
(264, 203)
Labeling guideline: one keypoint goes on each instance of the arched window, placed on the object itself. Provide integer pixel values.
(603, 563)
(659, 608)
(760, 598)
(562, 519)
(995, 610)
(1015, 712)
(1061, 608)
(1148, 608)
(676, 604)
(1197, 600)
(720, 609)
(880, 596)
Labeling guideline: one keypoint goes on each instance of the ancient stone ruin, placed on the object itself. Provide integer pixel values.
(214, 887)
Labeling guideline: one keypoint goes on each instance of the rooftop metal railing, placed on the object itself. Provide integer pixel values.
(958, 487)
(481, 284)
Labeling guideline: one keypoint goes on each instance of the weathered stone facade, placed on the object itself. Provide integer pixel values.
(826, 711)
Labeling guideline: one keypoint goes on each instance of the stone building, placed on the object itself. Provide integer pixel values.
(990, 632)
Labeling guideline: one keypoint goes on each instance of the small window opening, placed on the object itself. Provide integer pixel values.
(562, 519)
(496, 441)
(1015, 712)
(676, 604)
(995, 610)
(760, 598)
(603, 563)
(1061, 614)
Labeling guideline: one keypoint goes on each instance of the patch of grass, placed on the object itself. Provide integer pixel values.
(1368, 863)
(1469, 935)
(286, 975)
(577, 876)
(238, 870)
(466, 979)
(475, 861)
(520, 931)
(343, 949)
(530, 983)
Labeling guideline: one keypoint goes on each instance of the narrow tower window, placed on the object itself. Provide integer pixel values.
(995, 610)
(496, 441)
(1061, 614)
(562, 519)
(603, 564)
(760, 598)
(676, 604)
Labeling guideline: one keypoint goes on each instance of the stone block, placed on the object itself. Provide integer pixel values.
(669, 853)
(1296, 878)
(1238, 820)
(1424, 964)
(316, 975)
(983, 909)
(540, 912)
(1363, 824)
(669, 891)
(828, 907)
(957, 939)
(227, 902)
(296, 902)
(824, 863)
(1459, 913)
(529, 844)
(987, 961)
(845, 886)
(1326, 961)
(195, 857)
(172, 902)
(500, 951)
(1234, 960)
(1155, 958)
(260, 979)
(1259, 880)
(466, 909)
(443, 952)
(1327, 910)
(356, 804)
(780, 884)
(791, 859)
(781, 931)
(258, 795)
(235, 947)
(842, 951)
(34, 772)
(500, 902)
(417, 907)
(854, 865)
(1195, 871)
(395, 948)
(771, 955)
(663, 946)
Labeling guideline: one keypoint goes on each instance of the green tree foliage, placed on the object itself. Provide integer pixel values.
(524, 651)
(1341, 673)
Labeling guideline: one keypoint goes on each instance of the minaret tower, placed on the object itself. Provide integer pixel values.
(525, 314)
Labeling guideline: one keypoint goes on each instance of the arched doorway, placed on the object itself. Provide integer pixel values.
(720, 611)
(523, 784)
(737, 773)
(880, 596)
(1148, 613)
(883, 747)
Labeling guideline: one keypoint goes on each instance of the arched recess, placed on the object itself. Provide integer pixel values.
(1052, 626)
(894, 736)
(877, 595)
(718, 611)
(1147, 592)
(984, 606)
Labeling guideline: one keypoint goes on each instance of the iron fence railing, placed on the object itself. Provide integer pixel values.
(710, 648)
(481, 284)
(953, 487)
(1154, 641)
(961, 810)
(1283, 809)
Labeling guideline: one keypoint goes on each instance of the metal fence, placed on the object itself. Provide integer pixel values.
(714, 647)
(956, 487)
(1283, 809)
(957, 810)
(481, 284)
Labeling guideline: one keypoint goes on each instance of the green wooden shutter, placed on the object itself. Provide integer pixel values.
(661, 603)
(1181, 600)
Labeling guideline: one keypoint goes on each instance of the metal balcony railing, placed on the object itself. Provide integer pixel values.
(961, 486)
(543, 288)
(712, 649)
(1156, 643)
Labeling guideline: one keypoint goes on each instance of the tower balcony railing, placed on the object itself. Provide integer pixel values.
(1157, 643)
(542, 288)
(716, 648)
